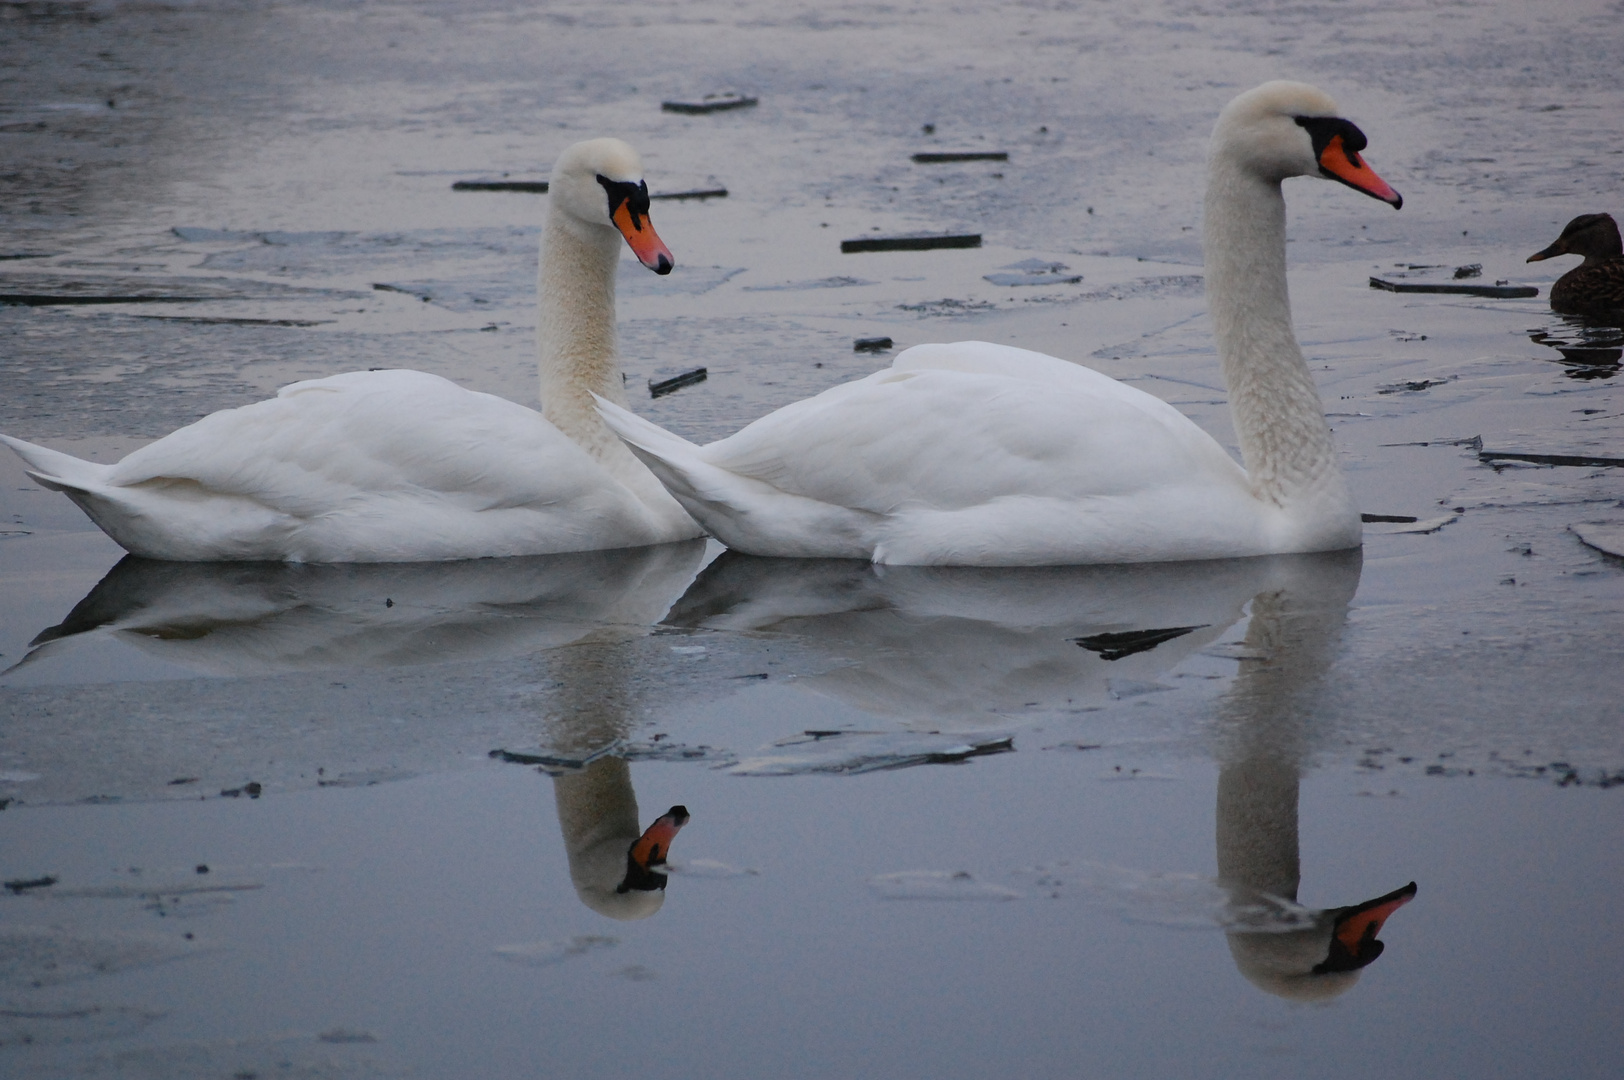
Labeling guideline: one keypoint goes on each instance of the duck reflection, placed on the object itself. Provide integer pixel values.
(613, 866)
(1589, 348)
(943, 648)
(1263, 741)
(239, 619)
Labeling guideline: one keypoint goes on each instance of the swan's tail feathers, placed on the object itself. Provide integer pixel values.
(56, 470)
(744, 513)
(671, 458)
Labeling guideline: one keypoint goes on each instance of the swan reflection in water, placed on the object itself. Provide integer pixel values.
(614, 867)
(935, 648)
(1263, 741)
(243, 619)
(961, 648)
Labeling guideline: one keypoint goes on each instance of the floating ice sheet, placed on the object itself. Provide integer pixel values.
(937, 885)
(1178, 900)
(548, 953)
(867, 751)
(32, 1023)
(32, 956)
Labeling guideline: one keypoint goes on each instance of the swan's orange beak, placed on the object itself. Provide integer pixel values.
(645, 242)
(1353, 940)
(1340, 163)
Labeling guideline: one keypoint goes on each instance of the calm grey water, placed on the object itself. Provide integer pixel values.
(1092, 822)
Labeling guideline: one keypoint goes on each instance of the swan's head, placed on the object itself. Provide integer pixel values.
(599, 184)
(1283, 129)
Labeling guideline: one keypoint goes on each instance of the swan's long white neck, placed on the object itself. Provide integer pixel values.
(1284, 439)
(575, 329)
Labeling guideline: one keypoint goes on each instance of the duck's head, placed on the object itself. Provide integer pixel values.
(1595, 236)
(1283, 129)
(599, 184)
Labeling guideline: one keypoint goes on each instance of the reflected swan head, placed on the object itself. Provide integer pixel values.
(613, 866)
(1323, 961)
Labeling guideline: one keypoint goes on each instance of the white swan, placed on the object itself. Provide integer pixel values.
(403, 466)
(979, 454)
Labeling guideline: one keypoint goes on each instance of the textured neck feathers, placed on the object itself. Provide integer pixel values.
(575, 331)
(1284, 439)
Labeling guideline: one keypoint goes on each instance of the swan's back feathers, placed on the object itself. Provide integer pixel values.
(997, 422)
(968, 453)
(377, 466)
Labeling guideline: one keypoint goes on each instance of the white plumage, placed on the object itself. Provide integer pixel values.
(403, 466)
(982, 454)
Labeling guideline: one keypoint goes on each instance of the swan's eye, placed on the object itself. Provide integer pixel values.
(1322, 129)
(624, 193)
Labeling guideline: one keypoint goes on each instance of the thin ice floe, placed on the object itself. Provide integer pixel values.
(1177, 900)
(548, 953)
(867, 751)
(33, 956)
(707, 868)
(937, 885)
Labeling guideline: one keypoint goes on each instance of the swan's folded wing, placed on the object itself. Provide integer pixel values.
(372, 434)
(951, 440)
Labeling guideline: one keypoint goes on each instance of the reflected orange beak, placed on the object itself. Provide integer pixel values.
(1340, 163)
(654, 845)
(1364, 923)
(1353, 939)
(644, 241)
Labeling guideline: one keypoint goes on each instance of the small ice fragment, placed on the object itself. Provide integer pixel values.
(346, 1035)
(637, 973)
(911, 242)
(853, 752)
(1235, 650)
(1035, 272)
(673, 383)
(707, 868)
(937, 885)
(547, 953)
(1129, 688)
(1430, 525)
(710, 103)
(689, 650)
(1605, 536)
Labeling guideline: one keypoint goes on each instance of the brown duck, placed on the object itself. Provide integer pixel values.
(1596, 286)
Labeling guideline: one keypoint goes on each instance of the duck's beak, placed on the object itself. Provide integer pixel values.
(644, 241)
(1353, 936)
(1556, 248)
(1340, 163)
(650, 850)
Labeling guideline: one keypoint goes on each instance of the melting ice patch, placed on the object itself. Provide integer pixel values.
(33, 956)
(706, 868)
(38, 1024)
(937, 885)
(1181, 901)
(548, 953)
(867, 751)
(1035, 272)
